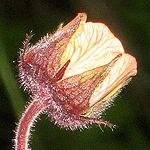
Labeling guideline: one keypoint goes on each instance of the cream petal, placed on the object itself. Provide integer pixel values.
(124, 69)
(88, 46)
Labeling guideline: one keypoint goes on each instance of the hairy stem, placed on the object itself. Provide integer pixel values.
(26, 123)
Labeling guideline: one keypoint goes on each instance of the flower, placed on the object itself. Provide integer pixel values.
(75, 73)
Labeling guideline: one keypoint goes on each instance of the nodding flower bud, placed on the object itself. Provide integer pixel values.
(73, 75)
(81, 67)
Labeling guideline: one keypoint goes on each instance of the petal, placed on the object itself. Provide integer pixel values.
(122, 71)
(88, 47)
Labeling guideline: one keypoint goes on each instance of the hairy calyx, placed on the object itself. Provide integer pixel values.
(72, 75)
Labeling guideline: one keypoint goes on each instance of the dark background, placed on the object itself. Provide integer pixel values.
(129, 21)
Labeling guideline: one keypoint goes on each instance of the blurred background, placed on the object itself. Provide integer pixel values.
(129, 21)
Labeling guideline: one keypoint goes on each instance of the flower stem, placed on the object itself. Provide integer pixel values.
(26, 123)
